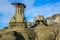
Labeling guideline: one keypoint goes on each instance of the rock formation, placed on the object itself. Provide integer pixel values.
(41, 29)
(18, 19)
(57, 18)
(53, 19)
(39, 17)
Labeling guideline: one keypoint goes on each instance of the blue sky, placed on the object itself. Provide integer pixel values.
(33, 8)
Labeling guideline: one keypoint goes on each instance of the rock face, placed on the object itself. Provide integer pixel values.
(40, 29)
(57, 19)
(50, 22)
(12, 35)
(39, 17)
(40, 20)
(53, 19)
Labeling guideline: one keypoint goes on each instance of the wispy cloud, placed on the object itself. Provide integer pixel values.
(45, 10)
(6, 11)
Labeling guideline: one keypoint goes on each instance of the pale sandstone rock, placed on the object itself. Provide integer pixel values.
(12, 35)
(39, 17)
(39, 32)
(57, 19)
(12, 19)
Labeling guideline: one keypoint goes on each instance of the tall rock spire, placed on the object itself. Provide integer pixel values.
(18, 19)
(19, 12)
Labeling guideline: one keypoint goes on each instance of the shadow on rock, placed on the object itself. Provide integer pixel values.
(18, 36)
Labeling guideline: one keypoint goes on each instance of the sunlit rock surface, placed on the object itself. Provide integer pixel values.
(40, 29)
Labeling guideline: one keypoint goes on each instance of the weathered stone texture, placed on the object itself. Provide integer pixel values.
(39, 17)
(40, 29)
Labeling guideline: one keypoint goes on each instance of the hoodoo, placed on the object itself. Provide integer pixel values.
(18, 19)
